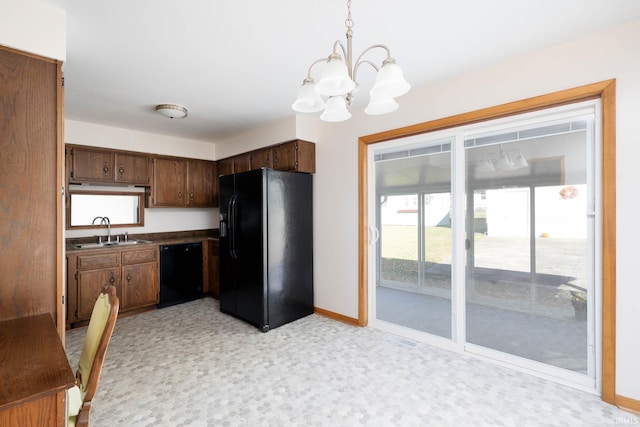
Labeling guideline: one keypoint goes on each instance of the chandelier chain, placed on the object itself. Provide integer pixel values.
(349, 21)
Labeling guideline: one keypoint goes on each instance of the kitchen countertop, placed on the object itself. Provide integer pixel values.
(166, 238)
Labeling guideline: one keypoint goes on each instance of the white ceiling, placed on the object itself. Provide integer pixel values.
(238, 65)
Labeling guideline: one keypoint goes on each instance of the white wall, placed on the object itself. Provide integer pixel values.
(156, 219)
(611, 54)
(34, 27)
(274, 133)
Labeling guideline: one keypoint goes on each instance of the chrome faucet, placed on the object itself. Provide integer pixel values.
(104, 220)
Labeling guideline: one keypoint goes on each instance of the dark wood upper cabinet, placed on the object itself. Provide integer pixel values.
(235, 164)
(132, 168)
(91, 165)
(202, 189)
(104, 166)
(242, 163)
(180, 182)
(168, 188)
(295, 155)
(261, 158)
(225, 166)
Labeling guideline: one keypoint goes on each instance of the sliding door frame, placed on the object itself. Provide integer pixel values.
(605, 91)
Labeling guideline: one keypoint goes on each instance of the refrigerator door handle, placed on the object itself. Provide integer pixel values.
(233, 219)
(223, 226)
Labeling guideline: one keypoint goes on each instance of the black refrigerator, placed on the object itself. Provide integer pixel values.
(266, 246)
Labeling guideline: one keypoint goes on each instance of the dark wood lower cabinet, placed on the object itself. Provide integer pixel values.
(134, 273)
(212, 268)
(89, 285)
(140, 282)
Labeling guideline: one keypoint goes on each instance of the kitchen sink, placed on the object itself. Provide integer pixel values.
(132, 242)
(105, 244)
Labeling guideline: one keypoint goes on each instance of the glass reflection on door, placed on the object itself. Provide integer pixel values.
(527, 266)
(414, 266)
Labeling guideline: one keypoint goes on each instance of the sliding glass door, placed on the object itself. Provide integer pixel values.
(487, 237)
(414, 267)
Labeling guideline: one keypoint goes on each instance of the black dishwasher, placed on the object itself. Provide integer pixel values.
(180, 273)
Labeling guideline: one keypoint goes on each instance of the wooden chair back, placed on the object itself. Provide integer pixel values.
(91, 384)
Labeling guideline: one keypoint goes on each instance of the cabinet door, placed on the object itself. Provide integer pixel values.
(284, 156)
(295, 155)
(90, 284)
(201, 183)
(212, 268)
(261, 158)
(30, 123)
(132, 169)
(139, 285)
(169, 182)
(225, 167)
(88, 165)
(242, 163)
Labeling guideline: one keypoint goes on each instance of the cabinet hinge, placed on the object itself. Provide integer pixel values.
(76, 275)
(62, 299)
(76, 314)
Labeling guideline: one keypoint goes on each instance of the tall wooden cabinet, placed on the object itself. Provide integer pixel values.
(31, 104)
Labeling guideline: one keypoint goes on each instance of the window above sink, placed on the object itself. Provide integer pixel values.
(123, 208)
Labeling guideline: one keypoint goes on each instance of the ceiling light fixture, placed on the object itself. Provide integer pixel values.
(173, 111)
(337, 83)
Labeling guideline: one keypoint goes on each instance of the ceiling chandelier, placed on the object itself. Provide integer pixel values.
(337, 83)
(502, 161)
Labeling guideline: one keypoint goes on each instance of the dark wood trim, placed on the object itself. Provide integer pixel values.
(605, 91)
(60, 318)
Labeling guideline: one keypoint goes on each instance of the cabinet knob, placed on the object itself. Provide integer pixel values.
(191, 196)
(112, 279)
(179, 194)
(105, 168)
(128, 277)
(121, 170)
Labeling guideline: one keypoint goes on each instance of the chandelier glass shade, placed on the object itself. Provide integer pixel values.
(335, 110)
(309, 100)
(502, 162)
(335, 87)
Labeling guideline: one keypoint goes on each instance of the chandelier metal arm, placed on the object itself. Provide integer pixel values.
(375, 46)
(338, 43)
(309, 78)
(355, 69)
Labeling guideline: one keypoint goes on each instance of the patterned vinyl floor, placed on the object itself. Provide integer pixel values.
(190, 365)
